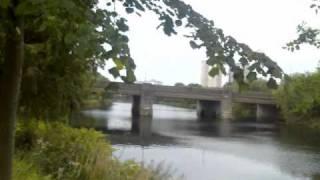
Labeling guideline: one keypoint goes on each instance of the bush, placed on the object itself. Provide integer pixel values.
(67, 153)
(27, 171)
(242, 111)
(299, 98)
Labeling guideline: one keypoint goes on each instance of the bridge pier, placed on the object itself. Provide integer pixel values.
(226, 109)
(267, 112)
(142, 104)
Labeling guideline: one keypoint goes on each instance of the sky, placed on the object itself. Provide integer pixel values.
(265, 25)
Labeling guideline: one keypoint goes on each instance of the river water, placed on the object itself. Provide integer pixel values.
(195, 150)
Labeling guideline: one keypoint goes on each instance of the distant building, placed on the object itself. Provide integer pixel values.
(207, 80)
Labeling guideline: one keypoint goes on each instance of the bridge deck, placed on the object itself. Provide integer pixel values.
(212, 94)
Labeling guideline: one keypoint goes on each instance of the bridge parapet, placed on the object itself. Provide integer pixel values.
(214, 94)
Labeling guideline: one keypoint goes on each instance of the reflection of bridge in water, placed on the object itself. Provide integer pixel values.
(212, 103)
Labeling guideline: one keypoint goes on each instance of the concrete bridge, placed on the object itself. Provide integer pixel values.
(211, 102)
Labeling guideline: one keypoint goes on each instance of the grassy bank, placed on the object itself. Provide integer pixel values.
(55, 151)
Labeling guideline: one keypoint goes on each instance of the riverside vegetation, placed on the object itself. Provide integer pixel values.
(54, 151)
(299, 99)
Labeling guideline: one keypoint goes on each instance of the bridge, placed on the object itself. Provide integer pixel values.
(211, 102)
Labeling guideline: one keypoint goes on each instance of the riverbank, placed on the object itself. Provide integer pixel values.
(56, 151)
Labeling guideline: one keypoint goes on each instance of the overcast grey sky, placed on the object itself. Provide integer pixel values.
(265, 25)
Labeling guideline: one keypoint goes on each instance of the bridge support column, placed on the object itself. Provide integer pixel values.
(267, 112)
(226, 106)
(226, 109)
(142, 105)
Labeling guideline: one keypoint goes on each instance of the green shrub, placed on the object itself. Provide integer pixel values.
(67, 153)
(24, 170)
(299, 98)
(243, 111)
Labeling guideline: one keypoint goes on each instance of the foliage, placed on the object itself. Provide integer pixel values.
(243, 111)
(256, 85)
(299, 98)
(162, 171)
(99, 96)
(23, 170)
(178, 84)
(221, 50)
(66, 41)
(66, 153)
(194, 85)
(306, 34)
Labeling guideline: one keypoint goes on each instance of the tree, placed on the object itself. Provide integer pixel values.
(62, 45)
(178, 84)
(194, 85)
(60, 31)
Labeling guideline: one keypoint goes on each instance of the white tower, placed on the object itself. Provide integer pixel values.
(204, 74)
(207, 80)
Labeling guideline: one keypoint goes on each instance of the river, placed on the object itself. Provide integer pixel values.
(195, 150)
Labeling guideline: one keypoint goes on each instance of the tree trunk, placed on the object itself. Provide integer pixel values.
(9, 91)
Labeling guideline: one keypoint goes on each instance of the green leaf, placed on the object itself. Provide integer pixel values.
(119, 64)
(252, 76)
(194, 45)
(178, 22)
(122, 25)
(243, 86)
(272, 83)
(243, 61)
(138, 5)
(212, 61)
(4, 3)
(214, 71)
(276, 73)
(129, 10)
(115, 72)
(130, 76)
(69, 38)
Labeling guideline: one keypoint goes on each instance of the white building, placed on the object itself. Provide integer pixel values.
(219, 80)
(207, 80)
